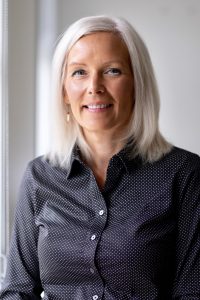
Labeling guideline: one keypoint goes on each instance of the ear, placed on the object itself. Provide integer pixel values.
(64, 94)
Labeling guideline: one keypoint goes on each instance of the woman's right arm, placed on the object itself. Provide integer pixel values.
(23, 276)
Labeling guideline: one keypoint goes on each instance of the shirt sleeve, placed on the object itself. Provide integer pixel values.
(187, 281)
(22, 276)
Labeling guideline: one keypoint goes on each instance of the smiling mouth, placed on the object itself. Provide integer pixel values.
(97, 107)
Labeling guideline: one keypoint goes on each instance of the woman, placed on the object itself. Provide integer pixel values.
(112, 211)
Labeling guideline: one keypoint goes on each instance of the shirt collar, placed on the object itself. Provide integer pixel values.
(123, 156)
(74, 161)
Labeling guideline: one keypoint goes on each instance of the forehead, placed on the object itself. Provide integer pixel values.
(105, 44)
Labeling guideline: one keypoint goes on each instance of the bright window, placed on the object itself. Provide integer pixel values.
(4, 224)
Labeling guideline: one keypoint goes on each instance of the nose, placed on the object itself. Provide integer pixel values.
(96, 85)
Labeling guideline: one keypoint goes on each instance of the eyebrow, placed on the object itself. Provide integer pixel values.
(106, 63)
(77, 63)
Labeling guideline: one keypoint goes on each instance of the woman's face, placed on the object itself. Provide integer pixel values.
(99, 83)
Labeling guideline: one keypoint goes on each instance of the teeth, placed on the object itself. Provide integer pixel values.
(93, 106)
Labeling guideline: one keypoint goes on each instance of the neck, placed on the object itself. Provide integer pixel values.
(103, 146)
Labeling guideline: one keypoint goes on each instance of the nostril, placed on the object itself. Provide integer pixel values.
(97, 91)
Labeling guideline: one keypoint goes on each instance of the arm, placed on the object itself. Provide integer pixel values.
(187, 281)
(23, 277)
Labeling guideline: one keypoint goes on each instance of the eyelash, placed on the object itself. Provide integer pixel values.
(114, 72)
(75, 73)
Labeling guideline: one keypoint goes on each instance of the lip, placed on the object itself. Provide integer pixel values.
(92, 107)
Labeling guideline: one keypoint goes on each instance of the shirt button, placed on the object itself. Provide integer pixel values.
(95, 297)
(92, 270)
(101, 212)
(93, 237)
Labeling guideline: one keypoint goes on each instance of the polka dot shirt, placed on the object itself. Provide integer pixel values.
(137, 238)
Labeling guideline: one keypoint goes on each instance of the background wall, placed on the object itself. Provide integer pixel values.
(171, 32)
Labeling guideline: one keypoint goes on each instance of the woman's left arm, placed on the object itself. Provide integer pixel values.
(187, 281)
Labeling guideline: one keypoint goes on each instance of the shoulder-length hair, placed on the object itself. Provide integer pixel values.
(142, 135)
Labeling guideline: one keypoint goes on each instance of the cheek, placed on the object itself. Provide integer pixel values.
(73, 89)
(125, 92)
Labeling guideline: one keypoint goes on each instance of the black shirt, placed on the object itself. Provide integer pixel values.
(138, 238)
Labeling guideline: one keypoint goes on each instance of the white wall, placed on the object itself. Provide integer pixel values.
(171, 32)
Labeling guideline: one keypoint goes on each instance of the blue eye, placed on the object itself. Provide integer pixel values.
(78, 73)
(113, 71)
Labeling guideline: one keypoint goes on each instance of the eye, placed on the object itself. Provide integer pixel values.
(78, 73)
(113, 71)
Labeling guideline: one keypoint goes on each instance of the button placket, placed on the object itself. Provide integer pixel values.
(94, 235)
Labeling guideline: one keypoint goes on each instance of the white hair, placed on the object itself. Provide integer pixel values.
(143, 132)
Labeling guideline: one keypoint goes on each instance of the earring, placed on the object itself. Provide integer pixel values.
(67, 105)
(68, 117)
(68, 114)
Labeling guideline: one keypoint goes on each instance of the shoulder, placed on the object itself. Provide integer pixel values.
(175, 166)
(182, 159)
(38, 165)
(183, 166)
(40, 170)
(173, 162)
(41, 180)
